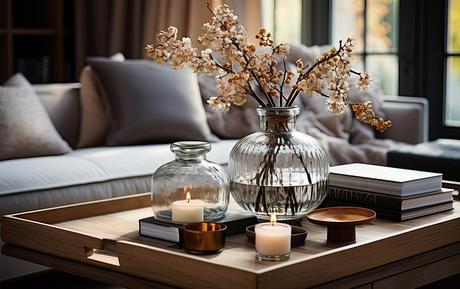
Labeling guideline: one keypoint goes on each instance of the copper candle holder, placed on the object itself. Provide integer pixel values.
(204, 238)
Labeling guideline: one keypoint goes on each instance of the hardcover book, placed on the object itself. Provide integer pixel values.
(169, 231)
(396, 215)
(382, 201)
(384, 180)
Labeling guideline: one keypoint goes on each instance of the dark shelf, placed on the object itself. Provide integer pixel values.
(69, 57)
(34, 31)
(3, 14)
(33, 13)
(34, 57)
(36, 38)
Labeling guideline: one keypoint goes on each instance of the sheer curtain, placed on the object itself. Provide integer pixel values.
(104, 27)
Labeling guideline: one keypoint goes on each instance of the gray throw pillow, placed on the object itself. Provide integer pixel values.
(150, 103)
(26, 130)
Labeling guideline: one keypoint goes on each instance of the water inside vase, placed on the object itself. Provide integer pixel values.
(288, 202)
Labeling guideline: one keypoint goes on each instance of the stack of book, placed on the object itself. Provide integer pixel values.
(394, 193)
(236, 223)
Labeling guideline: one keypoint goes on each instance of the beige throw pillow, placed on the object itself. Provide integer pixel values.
(95, 116)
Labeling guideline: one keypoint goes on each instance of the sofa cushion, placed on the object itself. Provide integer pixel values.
(42, 173)
(86, 175)
(26, 129)
(78, 193)
(62, 102)
(150, 103)
(95, 116)
(134, 161)
(238, 122)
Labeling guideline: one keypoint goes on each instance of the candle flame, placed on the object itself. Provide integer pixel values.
(188, 190)
(273, 219)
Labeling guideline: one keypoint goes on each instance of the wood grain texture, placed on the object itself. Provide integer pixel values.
(394, 268)
(367, 286)
(423, 275)
(47, 238)
(81, 269)
(88, 209)
(179, 270)
(362, 257)
(128, 281)
(452, 185)
(104, 234)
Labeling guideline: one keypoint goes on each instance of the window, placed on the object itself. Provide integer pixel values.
(374, 26)
(452, 100)
(439, 63)
(283, 19)
(412, 46)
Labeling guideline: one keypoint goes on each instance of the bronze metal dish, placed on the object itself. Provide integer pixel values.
(341, 221)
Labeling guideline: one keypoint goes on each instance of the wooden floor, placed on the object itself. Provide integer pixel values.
(53, 279)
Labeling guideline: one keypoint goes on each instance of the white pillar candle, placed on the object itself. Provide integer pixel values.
(273, 240)
(187, 211)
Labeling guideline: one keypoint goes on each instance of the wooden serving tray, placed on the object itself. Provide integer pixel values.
(104, 234)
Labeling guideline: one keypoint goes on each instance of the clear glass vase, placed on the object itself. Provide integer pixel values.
(278, 169)
(188, 184)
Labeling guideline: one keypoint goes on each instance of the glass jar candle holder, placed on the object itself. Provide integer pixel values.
(190, 188)
(273, 241)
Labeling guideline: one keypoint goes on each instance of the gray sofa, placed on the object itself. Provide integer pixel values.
(104, 172)
(84, 174)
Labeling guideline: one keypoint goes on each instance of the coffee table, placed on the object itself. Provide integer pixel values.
(99, 240)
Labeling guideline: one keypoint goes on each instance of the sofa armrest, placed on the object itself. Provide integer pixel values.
(409, 116)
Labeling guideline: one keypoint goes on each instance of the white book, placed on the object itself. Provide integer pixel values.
(384, 180)
(161, 231)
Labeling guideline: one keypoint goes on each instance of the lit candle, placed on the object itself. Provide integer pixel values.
(188, 210)
(273, 240)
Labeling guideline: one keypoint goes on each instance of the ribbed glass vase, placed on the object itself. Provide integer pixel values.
(278, 169)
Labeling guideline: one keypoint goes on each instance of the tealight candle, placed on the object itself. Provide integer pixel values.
(273, 240)
(188, 210)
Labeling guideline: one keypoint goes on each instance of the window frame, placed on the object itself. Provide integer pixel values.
(317, 29)
(422, 52)
(431, 61)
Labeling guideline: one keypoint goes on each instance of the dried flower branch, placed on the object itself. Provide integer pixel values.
(243, 73)
(365, 113)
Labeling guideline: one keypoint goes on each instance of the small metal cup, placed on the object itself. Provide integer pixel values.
(204, 238)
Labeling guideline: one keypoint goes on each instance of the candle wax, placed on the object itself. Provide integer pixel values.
(184, 211)
(273, 239)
